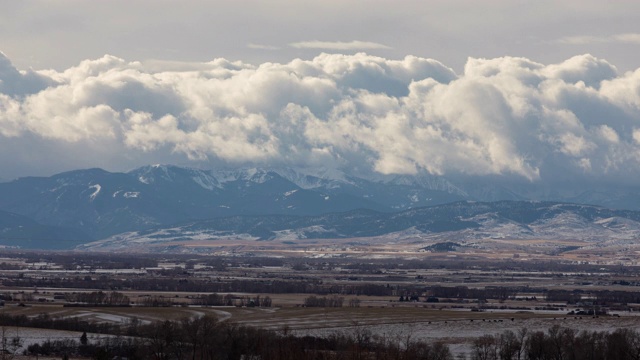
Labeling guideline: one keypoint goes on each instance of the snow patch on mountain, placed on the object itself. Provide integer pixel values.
(96, 191)
(568, 224)
(315, 178)
(424, 181)
(255, 175)
(289, 193)
(302, 233)
(152, 173)
(494, 226)
(618, 223)
(206, 181)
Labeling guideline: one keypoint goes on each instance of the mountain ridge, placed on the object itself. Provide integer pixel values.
(100, 204)
(465, 221)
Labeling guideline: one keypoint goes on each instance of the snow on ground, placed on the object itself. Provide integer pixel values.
(222, 315)
(30, 336)
(459, 334)
(103, 317)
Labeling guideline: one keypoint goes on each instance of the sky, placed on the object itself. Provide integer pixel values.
(529, 90)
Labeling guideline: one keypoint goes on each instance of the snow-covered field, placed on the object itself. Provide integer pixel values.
(30, 336)
(455, 328)
(104, 317)
(459, 334)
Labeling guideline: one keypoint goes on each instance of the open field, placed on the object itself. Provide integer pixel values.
(277, 318)
(455, 327)
(452, 298)
(403, 246)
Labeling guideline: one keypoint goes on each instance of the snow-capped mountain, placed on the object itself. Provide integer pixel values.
(102, 203)
(99, 203)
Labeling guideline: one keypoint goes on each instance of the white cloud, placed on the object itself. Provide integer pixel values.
(585, 68)
(339, 45)
(262, 47)
(636, 136)
(608, 134)
(505, 116)
(625, 38)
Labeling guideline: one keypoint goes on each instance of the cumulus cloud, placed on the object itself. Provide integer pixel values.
(338, 45)
(506, 116)
(14, 82)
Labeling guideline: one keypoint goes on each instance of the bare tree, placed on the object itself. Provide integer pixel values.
(485, 348)
(9, 346)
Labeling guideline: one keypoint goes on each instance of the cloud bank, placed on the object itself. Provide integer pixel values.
(506, 116)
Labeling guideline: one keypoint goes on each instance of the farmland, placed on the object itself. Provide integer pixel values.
(436, 298)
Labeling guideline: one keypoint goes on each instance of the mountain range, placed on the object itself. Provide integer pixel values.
(80, 206)
(465, 222)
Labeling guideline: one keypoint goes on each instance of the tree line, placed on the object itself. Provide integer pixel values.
(205, 338)
(231, 300)
(99, 298)
(184, 284)
(558, 343)
(331, 301)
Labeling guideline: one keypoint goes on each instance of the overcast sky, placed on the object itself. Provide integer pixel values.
(61, 33)
(526, 89)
